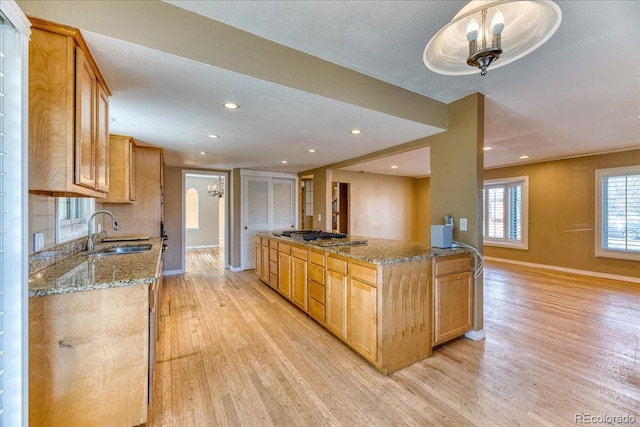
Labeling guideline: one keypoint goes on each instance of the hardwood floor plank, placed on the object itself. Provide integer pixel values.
(232, 352)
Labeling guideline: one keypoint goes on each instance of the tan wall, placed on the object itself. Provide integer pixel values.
(381, 206)
(422, 232)
(562, 214)
(173, 218)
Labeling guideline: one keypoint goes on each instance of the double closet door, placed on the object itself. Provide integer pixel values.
(269, 202)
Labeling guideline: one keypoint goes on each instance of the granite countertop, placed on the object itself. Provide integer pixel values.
(377, 251)
(85, 272)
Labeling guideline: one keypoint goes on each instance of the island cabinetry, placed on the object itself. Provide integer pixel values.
(299, 269)
(284, 270)
(336, 297)
(258, 256)
(452, 296)
(122, 170)
(68, 115)
(316, 299)
(266, 261)
(89, 357)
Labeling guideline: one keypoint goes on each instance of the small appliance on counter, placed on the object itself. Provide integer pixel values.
(441, 236)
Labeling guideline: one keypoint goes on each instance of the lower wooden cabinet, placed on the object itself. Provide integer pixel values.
(284, 270)
(452, 298)
(89, 357)
(362, 318)
(299, 281)
(336, 303)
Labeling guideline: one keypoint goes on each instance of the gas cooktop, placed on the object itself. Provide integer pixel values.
(310, 235)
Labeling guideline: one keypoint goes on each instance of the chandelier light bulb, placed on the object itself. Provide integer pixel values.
(473, 30)
(497, 24)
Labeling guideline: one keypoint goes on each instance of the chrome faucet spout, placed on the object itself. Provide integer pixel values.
(90, 228)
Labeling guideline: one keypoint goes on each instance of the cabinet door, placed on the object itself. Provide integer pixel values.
(102, 139)
(336, 303)
(299, 276)
(258, 258)
(265, 263)
(84, 139)
(452, 306)
(363, 331)
(284, 274)
(132, 170)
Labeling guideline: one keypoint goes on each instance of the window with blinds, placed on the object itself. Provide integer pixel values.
(618, 204)
(14, 32)
(505, 212)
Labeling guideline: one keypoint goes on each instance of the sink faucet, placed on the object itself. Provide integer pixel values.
(90, 232)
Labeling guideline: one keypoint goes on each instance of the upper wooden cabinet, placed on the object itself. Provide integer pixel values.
(122, 170)
(68, 115)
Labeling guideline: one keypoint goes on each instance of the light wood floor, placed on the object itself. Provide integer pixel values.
(232, 352)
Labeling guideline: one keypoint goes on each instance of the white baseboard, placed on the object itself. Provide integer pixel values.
(475, 335)
(567, 270)
(236, 269)
(172, 272)
(203, 247)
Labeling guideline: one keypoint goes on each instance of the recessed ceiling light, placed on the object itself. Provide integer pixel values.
(284, 162)
(487, 148)
(524, 157)
(394, 167)
(213, 136)
(231, 106)
(202, 153)
(356, 131)
(311, 150)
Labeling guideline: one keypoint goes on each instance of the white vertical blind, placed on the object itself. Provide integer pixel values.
(619, 197)
(14, 32)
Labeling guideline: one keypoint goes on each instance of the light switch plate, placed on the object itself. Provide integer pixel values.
(319, 217)
(463, 224)
(38, 242)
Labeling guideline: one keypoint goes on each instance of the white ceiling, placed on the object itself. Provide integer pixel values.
(577, 94)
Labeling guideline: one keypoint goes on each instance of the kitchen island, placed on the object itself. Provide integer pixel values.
(92, 333)
(390, 301)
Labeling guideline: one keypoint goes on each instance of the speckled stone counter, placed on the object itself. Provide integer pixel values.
(376, 251)
(85, 272)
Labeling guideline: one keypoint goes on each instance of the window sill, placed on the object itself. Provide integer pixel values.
(508, 245)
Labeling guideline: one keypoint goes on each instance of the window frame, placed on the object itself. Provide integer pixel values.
(523, 243)
(601, 252)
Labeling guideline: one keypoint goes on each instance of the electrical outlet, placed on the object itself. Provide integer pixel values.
(463, 224)
(319, 217)
(38, 242)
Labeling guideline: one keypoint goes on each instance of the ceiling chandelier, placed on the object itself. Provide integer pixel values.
(485, 31)
(217, 189)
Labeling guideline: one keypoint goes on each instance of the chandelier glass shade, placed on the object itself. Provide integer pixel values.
(491, 33)
(217, 189)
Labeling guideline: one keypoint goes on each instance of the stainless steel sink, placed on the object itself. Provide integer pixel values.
(121, 250)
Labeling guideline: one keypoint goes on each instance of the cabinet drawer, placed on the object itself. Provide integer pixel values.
(316, 291)
(273, 254)
(273, 281)
(299, 253)
(366, 274)
(452, 265)
(316, 273)
(316, 310)
(316, 257)
(264, 241)
(285, 248)
(273, 268)
(273, 244)
(337, 265)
